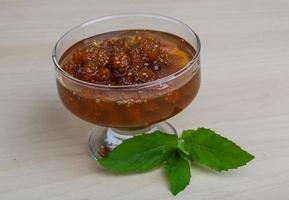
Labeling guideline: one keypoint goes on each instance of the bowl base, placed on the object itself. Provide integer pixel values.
(103, 140)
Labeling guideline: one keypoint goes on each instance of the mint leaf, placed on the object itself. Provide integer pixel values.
(208, 148)
(178, 172)
(140, 153)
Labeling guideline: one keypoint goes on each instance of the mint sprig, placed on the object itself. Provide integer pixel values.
(147, 151)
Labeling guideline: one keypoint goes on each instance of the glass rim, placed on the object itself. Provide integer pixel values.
(162, 80)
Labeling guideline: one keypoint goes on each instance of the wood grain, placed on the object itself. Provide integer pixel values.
(244, 95)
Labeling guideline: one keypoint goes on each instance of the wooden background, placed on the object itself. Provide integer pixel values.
(244, 95)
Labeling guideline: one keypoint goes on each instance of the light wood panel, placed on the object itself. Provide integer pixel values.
(244, 95)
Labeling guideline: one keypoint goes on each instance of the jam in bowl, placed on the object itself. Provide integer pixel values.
(127, 73)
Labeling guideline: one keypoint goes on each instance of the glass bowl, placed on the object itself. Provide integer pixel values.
(127, 110)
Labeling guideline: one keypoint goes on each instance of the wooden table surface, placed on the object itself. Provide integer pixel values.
(244, 95)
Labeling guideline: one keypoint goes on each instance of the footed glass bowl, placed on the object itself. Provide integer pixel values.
(126, 110)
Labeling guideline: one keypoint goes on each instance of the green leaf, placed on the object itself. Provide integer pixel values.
(140, 153)
(178, 172)
(210, 149)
